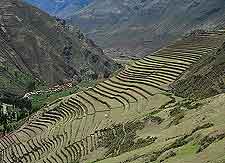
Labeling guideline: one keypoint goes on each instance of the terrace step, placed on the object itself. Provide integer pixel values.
(120, 99)
(98, 100)
(143, 82)
(141, 87)
(153, 60)
(162, 66)
(151, 64)
(173, 59)
(112, 89)
(172, 73)
(150, 77)
(82, 105)
(132, 91)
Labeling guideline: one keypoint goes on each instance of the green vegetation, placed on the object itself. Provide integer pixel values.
(121, 138)
(41, 100)
(186, 150)
(22, 108)
(126, 117)
(13, 110)
(17, 81)
(153, 119)
(177, 114)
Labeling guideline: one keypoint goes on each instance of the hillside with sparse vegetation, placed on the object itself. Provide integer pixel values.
(133, 116)
(38, 50)
(167, 107)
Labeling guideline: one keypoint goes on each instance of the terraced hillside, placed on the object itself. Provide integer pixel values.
(36, 47)
(204, 79)
(119, 114)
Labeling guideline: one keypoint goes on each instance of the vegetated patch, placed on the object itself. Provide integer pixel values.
(175, 111)
(190, 104)
(177, 114)
(134, 157)
(209, 139)
(204, 126)
(187, 149)
(173, 100)
(167, 155)
(42, 100)
(17, 82)
(23, 107)
(13, 109)
(122, 138)
(176, 120)
(150, 119)
(156, 111)
(179, 142)
(204, 79)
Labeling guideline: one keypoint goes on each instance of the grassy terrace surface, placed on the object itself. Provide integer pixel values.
(97, 122)
(43, 99)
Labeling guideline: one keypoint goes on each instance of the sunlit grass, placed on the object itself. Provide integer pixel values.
(39, 101)
(187, 150)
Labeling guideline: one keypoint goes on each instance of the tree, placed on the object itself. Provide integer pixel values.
(31, 86)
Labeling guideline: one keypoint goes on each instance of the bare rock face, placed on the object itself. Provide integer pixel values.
(37, 47)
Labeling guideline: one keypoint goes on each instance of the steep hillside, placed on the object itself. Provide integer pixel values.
(131, 117)
(139, 26)
(204, 79)
(36, 47)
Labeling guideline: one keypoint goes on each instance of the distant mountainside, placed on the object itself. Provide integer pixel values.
(36, 47)
(61, 8)
(139, 26)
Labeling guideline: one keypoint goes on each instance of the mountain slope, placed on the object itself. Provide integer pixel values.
(35, 46)
(205, 79)
(140, 26)
(131, 117)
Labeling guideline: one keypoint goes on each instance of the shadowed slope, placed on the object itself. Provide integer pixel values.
(37, 47)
